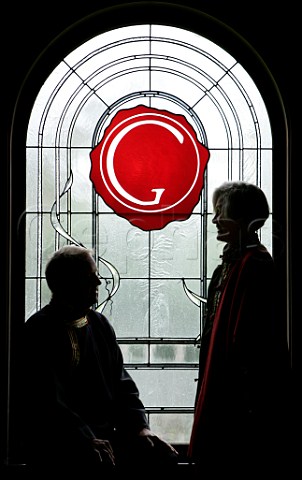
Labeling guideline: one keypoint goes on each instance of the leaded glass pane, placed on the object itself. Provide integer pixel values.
(175, 428)
(167, 388)
(152, 280)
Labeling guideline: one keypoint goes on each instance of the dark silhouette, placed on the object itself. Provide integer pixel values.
(82, 414)
(242, 423)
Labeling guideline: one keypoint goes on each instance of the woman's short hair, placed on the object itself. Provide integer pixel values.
(243, 201)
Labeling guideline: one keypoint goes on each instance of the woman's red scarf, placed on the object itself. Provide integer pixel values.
(224, 329)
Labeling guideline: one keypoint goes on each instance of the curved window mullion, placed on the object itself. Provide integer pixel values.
(158, 275)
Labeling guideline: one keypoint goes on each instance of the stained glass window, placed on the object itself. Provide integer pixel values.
(141, 97)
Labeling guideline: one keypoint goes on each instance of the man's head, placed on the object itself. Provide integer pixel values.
(71, 275)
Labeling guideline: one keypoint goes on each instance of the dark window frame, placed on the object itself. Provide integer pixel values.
(176, 15)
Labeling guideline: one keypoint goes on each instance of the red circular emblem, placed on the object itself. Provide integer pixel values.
(149, 167)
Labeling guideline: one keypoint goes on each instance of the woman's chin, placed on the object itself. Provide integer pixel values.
(223, 237)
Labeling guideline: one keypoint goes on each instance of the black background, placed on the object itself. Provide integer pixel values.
(273, 29)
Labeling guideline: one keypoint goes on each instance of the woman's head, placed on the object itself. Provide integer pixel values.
(241, 208)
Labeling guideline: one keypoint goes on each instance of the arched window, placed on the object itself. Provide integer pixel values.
(108, 116)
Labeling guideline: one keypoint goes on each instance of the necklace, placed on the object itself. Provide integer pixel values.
(73, 337)
(79, 323)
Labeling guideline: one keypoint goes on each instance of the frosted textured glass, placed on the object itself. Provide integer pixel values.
(255, 99)
(157, 353)
(112, 58)
(190, 93)
(161, 67)
(249, 168)
(214, 122)
(170, 353)
(174, 428)
(102, 207)
(265, 235)
(122, 84)
(172, 313)
(38, 294)
(49, 237)
(123, 245)
(31, 291)
(236, 167)
(87, 116)
(105, 40)
(224, 102)
(189, 60)
(266, 175)
(218, 171)
(49, 169)
(71, 126)
(39, 243)
(45, 293)
(169, 388)
(81, 229)
(135, 353)
(241, 106)
(126, 64)
(32, 178)
(31, 234)
(194, 40)
(36, 125)
(176, 249)
(82, 189)
(129, 310)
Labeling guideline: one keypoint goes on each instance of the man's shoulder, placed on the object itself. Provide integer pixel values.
(99, 320)
(38, 318)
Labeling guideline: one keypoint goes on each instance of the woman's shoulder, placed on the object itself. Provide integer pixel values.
(260, 253)
(259, 261)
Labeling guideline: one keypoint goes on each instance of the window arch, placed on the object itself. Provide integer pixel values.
(189, 68)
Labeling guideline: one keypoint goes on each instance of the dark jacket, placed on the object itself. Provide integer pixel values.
(75, 387)
(242, 400)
